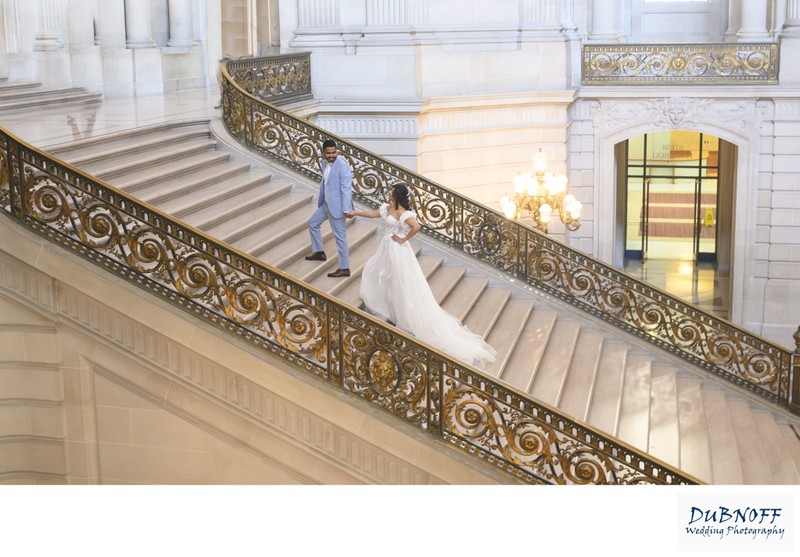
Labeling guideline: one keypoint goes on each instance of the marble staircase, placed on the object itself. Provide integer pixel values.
(590, 371)
(26, 95)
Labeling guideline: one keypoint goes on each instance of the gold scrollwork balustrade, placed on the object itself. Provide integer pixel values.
(703, 339)
(286, 76)
(643, 64)
(345, 348)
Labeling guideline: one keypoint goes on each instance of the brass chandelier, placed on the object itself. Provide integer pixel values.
(541, 194)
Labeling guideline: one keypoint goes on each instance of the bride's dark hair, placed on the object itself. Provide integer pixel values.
(400, 193)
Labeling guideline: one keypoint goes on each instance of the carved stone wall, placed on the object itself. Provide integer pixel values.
(100, 384)
(765, 264)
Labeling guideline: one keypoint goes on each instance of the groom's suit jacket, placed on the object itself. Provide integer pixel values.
(337, 191)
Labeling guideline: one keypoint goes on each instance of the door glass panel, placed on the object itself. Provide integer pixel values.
(671, 197)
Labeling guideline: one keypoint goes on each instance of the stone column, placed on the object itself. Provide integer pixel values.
(387, 13)
(540, 14)
(318, 13)
(180, 23)
(138, 28)
(754, 22)
(791, 25)
(734, 19)
(10, 27)
(605, 16)
(48, 32)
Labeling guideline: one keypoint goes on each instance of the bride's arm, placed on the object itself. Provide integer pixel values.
(412, 223)
(368, 214)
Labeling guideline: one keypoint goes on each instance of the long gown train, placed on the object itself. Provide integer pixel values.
(393, 287)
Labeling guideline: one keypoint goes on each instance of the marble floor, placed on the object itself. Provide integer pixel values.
(671, 268)
(667, 268)
(64, 122)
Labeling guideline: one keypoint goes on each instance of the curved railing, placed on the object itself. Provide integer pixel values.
(728, 351)
(340, 346)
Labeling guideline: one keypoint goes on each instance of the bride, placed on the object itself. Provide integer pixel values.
(394, 288)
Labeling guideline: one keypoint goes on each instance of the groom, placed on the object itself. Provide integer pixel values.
(335, 197)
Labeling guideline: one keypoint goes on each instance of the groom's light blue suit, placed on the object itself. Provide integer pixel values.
(335, 197)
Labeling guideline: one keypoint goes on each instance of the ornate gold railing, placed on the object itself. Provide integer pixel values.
(716, 345)
(346, 349)
(645, 64)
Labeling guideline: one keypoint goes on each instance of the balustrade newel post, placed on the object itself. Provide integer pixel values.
(794, 375)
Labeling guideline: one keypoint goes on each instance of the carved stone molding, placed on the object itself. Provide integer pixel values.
(672, 113)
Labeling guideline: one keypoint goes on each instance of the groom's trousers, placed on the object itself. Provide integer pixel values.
(338, 226)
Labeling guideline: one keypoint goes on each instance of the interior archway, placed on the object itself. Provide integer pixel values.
(675, 192)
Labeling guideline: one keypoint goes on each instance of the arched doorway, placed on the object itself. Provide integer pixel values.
(675, 188)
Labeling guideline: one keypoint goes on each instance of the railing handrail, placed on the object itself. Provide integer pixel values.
(317, 334)
(733, 353)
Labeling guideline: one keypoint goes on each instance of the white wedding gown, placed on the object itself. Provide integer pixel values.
(394, 288)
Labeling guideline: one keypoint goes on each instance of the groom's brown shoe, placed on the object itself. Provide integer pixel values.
(340, 273)
(317, 256)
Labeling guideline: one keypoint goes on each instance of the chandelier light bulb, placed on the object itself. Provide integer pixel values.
(539, 194)
(545, 211)
(539, 161)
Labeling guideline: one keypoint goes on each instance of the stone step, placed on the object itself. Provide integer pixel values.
(725, 465)
(664, 433)
(134, 181)
(277, 231)
(604, 407)
(783, 469)
(6, 85)
(444, 279)
(306, 271)
(695, 445)
(634, 416)
(27, 101)
(96, 153)
(121, 166)
(551, 375)
(243, 208)
(183, 196)
(749, 443)
(463, 295)
(529, 350)
(31, 92)
(486, 310)
(109, 140)
(505, 330)
(359, 255)
(582, 375)
(245, 225)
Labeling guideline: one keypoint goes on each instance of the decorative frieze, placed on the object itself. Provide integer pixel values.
(639, 64)
(672, 113)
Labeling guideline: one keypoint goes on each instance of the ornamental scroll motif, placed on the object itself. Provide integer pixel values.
(285, 78)
(348, 350)
(732, 353)
(531, 441)
(728, 63)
